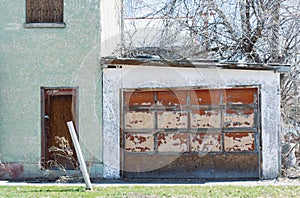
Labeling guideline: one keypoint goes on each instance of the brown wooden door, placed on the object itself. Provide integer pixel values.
(58, 107)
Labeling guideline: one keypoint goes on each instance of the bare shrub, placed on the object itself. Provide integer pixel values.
(62, 154)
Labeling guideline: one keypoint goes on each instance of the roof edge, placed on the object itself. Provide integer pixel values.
(113, 62)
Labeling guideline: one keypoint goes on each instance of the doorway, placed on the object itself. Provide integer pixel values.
(59, 105)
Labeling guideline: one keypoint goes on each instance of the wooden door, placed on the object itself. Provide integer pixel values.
(58, 107)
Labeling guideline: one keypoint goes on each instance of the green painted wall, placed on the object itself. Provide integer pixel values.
(50, 57)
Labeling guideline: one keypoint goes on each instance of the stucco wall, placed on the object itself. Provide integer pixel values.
(155, 77)
(50, 57)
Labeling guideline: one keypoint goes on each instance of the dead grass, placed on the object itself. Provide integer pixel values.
(53, 168)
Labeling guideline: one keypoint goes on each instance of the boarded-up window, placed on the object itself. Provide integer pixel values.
(44, 11)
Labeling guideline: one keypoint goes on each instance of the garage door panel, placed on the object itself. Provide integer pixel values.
(172, 142)
(205, 119)
(241, 96)
(138, 98)
(139, 142)
(139, 120)
(206, 142)
(192, 166)
(172, 120)
(172, 98)
(239, 141)
(206, 97)
(239, 118)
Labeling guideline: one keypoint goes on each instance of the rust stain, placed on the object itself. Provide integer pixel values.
(205, 142)
(170, 142)
(168, 98)
(234, 118)
(239, 141)
(143, 98)
(205, 119)
(139, 120)
(139, 142)
(172, 120)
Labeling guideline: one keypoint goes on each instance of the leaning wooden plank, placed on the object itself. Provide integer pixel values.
(79, 156)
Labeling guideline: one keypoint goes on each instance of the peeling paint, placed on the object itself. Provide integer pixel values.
(139, 142)
(205, 142)
(239, 118)
(139, 120)
(172, 142)
(205, 119)
(172, 120)
(239, 142)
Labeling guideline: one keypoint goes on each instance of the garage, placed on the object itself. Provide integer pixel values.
(172, 119)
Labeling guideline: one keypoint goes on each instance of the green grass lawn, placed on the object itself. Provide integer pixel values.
(143, 191)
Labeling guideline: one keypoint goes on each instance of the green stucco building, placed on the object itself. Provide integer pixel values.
(49, 64)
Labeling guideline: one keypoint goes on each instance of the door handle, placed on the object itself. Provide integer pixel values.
(46, 117)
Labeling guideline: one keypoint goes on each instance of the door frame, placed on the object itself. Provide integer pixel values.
(46, 93)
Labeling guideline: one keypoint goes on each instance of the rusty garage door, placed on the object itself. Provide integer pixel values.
(190, 133)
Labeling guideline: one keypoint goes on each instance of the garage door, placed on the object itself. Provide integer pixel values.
(190, 133)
